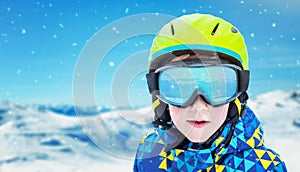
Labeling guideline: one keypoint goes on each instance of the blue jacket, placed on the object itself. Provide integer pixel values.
(245, 152)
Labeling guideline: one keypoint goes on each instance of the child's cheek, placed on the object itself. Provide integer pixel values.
(174, 112)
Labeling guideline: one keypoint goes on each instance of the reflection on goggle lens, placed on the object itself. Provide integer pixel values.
(180, 85)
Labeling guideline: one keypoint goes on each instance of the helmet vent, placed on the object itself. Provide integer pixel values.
(215, 29)
(234, 30)
(172, 29)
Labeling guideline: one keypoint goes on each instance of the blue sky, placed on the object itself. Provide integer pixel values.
(41, 41)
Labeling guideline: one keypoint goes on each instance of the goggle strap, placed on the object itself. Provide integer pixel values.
(243, 80)
(238, 105)
(155, 103)
(152, 79)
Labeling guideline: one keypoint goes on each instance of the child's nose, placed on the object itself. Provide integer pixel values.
(199, 105)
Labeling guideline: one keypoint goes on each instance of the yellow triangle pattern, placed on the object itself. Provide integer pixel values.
(271, 155)
(143, 139)
(209, 168)
(280, 158)
(219, 167)
(259, 153)
(163, 164)
(217, 158)
(163, 153)
(251, 142)
(178, 151)
(161, 142)
(171, 157)
(219, 140)
(265, 163)
(276, 163)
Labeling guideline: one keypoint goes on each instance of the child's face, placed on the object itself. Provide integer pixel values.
(199, 120)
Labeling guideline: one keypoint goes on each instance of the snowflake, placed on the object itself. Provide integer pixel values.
(19, 72)
(23, 31)
(111, 64)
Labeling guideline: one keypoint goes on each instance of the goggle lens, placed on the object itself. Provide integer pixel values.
(179, 85)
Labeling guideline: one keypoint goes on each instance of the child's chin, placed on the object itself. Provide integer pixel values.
(196, 139)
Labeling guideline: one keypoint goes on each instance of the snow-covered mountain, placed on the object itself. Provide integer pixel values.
(52, 138)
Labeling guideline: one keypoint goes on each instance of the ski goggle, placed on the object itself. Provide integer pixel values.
(181, 85)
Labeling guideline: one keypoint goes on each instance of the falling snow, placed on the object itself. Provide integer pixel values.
(23, 31)
(126, 10)
(19, 72)
(74, 44)
(111, 64)
(61, 25)
(273, 24)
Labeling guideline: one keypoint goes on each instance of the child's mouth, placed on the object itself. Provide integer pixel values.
(198, 124)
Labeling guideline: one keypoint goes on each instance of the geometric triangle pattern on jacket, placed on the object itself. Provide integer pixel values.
(245, 152)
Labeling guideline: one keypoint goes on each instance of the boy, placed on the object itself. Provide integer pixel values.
(198, 77)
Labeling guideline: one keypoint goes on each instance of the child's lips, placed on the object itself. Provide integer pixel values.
(198, 124)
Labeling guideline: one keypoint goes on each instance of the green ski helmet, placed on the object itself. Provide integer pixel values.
(200, 32)
(197, 33)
